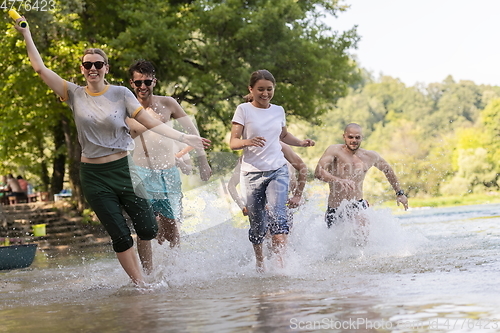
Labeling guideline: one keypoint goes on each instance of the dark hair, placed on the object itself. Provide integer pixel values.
(96, 51)
(261, 74)
(142, 66)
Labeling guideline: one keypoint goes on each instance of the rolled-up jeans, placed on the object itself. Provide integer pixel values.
(266, 188)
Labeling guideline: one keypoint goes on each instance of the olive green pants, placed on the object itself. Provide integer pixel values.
(108, 189)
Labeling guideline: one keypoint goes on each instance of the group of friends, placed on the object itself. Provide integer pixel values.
(131, 153)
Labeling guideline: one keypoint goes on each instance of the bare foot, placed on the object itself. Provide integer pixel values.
(259, 267)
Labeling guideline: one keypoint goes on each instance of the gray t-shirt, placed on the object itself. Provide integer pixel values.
(100, 118)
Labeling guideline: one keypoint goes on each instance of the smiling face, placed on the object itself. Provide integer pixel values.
(143, 91)
(262, 93)
(94, 75)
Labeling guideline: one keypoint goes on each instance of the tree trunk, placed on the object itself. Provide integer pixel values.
(74, 152)
(44, 172)
(59, 164)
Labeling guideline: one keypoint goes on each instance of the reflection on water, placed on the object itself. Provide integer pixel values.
(426, 270)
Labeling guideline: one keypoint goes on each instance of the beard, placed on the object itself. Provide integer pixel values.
(353, 149)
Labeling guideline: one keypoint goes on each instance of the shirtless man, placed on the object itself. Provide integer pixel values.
(344, 167)
(156, 157)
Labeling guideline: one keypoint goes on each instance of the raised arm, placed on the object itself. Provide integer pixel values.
(383, 166)
(54, 81)
(301, 168)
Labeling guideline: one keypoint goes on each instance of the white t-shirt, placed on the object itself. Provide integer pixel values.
(266, 123)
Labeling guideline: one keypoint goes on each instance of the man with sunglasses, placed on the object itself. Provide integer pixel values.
(155, 155)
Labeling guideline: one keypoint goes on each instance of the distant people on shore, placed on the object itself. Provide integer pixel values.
(344, 167)
(13, 186)
(23, 183)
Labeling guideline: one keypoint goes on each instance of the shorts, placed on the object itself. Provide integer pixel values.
(108, 188)
(271, 188)
(164, 190)
(333, 215)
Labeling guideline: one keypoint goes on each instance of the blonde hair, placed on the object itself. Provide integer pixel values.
(96, 51)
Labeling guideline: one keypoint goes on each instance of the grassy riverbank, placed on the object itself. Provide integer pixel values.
(450, 201)
(321, 190)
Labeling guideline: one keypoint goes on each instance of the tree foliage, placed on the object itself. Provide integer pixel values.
(440, 138)
(204, 52)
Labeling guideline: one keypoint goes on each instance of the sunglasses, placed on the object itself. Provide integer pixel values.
(88, 65)
(138, 83)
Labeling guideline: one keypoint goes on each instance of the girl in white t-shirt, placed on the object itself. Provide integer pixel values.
(258, 127)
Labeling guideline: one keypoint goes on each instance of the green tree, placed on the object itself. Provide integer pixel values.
(490, 120)
(456, 105)
(204, 52)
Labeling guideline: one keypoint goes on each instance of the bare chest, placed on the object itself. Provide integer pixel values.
(351, 167)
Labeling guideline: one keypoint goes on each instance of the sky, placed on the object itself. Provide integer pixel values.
(424, 41)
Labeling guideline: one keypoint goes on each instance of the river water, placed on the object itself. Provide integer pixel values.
(427, 270)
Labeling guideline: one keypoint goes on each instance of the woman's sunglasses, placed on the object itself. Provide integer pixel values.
(88, 65)
(138, 83)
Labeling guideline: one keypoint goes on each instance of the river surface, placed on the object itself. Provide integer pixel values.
(427, 270)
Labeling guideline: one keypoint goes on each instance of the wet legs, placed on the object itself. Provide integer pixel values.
(129, 262)
(145, 255)
(278, 248)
